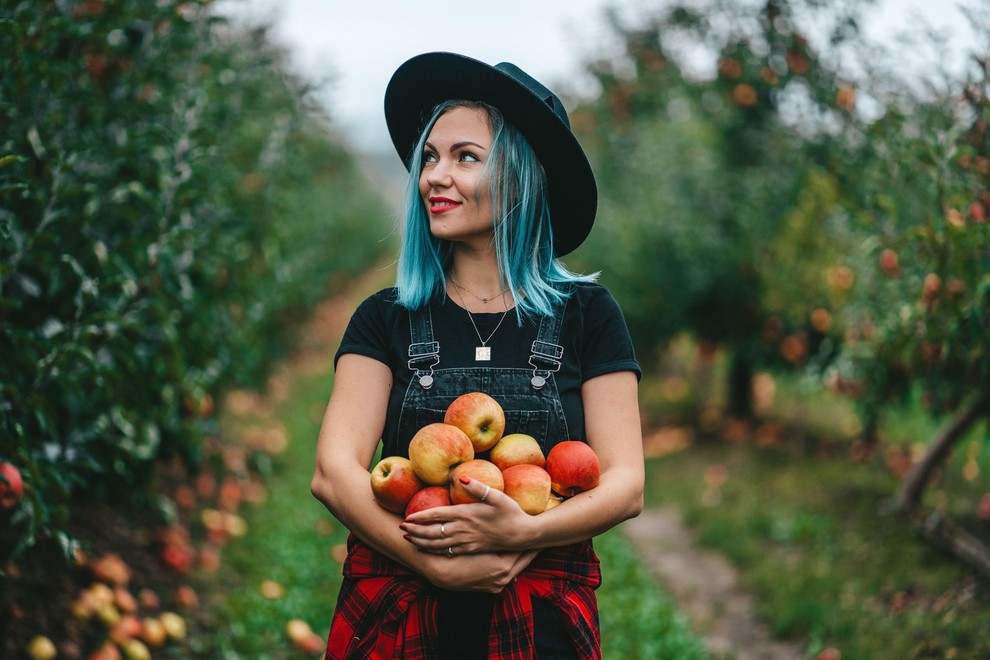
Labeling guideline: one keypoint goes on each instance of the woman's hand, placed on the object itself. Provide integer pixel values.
(470, 547)
(494, 524)
(488, 572)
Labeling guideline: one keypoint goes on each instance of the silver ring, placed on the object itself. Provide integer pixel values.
(450, 553)
(442, 535)
(488, 489)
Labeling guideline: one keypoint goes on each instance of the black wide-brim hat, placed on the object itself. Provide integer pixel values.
(425, 81)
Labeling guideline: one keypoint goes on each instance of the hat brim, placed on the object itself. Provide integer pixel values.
(425, 81)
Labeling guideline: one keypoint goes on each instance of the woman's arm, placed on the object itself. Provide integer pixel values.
(352, 427)
(612, 423)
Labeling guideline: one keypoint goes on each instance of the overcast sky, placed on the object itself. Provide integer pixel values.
(357, 44)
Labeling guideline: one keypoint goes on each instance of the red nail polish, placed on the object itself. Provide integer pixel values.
(465, 480)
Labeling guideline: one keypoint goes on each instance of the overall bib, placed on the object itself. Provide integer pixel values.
(529, 396)
(531, 402)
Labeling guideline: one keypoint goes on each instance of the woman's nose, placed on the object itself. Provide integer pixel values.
(439, 173)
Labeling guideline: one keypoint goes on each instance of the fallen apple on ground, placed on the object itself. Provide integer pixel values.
(573, 467)
(128, 626)
(303, 638)
(481, 418)
(106, 651)
(135, 649)
(516, 449)
(394, 482)
(436, 449)
(297, 629)
(175, 625)
(477, 469)
(529, 486)
(110, 568)
(41, 648)
(153, 632)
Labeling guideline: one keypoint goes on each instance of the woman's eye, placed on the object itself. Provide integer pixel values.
(467, 156)
(429, 157)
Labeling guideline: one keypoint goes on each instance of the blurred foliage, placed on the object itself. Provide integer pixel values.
(171, 202)
(750, 200)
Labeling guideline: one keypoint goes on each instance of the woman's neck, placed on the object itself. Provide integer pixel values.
(477, 285)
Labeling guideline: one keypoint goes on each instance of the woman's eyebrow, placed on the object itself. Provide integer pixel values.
(457, 145)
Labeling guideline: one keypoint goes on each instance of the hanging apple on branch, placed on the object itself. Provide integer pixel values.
(440, 454)
(11, 486)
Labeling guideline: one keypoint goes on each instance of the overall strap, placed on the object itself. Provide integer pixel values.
(424, 351)
(546, 352)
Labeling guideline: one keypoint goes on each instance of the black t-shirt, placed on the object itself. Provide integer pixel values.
(594, 337)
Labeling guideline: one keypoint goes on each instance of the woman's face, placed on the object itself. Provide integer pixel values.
(451, 185)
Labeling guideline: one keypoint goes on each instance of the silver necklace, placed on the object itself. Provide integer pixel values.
(484, 301)
(482, 353)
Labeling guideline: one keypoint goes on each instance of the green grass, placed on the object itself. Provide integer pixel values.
(639, 621)
(825, 564)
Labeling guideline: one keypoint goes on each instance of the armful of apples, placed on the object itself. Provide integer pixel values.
(441, 454)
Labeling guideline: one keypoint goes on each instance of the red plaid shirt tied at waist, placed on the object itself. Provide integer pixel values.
(387, 612)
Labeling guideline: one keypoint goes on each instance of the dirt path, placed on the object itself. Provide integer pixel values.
(705, 586)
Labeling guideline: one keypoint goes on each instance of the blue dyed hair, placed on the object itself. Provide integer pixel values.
(523, 238)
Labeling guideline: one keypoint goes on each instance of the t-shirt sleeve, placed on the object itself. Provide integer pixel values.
(608, 346)
(367, 332)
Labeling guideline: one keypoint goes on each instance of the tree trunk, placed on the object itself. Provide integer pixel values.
(871, 433)
(740, 390)
(914, 483)
(958, 541)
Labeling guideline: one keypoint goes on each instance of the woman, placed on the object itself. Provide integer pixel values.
(499, 189)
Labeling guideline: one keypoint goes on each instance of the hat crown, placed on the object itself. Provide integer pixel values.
(537, 88)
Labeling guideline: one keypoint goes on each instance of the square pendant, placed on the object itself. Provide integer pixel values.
(482, 353)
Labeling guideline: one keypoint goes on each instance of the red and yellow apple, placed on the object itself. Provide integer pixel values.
(477, 469)
(106, 651)
(135, 649)
(41, 648)
(480, 417)
(573, 467)
(529, 486)
(303, 637)
(394, 482)
(435, 449)
(516, 449)
(428, 498)
(153, 632)
(111, 569)
(11, 486)
(128, 626)
(297, 629)
(175, 625)
(553, 501)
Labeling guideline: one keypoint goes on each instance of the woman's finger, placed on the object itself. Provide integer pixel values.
(477, 489)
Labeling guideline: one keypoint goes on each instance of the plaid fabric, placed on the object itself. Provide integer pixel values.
(386, 612)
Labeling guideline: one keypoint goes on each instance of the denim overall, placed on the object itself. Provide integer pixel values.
(528, 395)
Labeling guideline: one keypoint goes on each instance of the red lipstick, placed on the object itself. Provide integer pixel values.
(442, 204)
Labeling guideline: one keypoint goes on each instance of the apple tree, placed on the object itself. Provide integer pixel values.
(170, 203)
(703, 169)
(918, 318)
